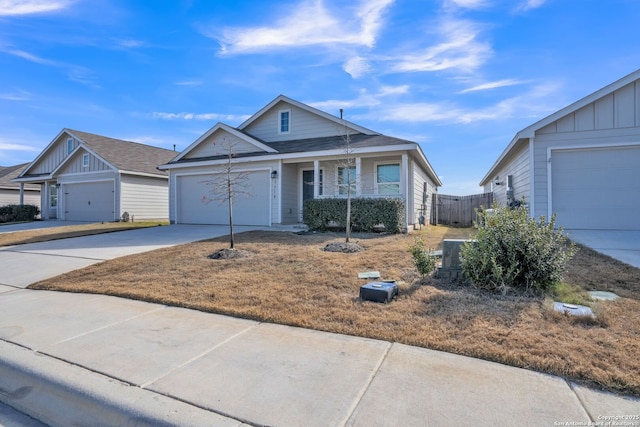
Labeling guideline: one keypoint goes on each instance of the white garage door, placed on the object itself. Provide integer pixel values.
(195, 204)
(91, 201)
(597, 188)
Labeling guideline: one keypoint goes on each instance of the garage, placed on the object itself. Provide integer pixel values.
(596, 188)
(196, 205)
(89, 201)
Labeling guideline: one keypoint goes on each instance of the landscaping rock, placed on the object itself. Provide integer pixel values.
(573, 309)
(603, 296)
(343, 247)
(229, 254)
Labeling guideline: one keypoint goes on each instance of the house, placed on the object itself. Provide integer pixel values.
(87, 177)
(10, 191)
(290, 152)
(581, 163)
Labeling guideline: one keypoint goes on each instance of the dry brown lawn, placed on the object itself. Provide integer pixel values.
(67, 231)
(289, 279)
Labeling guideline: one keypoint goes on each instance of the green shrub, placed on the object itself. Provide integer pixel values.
(424, 262)
(18, 213)
(366, 213)
(513, 250)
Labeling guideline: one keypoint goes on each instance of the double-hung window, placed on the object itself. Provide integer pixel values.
(69, 145)
(347, 180)
(53, 195)
(388, 178)
(284, 121)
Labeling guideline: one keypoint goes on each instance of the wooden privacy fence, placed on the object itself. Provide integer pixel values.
(458, 211)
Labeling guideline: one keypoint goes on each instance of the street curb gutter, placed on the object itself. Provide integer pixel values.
(60, 394)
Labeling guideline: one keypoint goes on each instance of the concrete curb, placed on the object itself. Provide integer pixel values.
(60, 394)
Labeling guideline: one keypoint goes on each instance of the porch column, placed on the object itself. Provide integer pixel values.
(404, 185)
(22, 193)
(358, 180)
(316, 179)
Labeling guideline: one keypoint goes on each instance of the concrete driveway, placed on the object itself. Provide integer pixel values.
(22, 265)
(622, 245)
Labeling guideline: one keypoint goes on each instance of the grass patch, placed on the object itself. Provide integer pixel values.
(67, 231)
(289, 279)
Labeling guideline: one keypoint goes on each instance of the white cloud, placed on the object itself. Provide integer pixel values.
(460, 49)
(492, 85)
(27, 7)
(16, 96)
(470, 4)
(310, 23)
(29, 57)
(189, 83)
(16, 147)
(530, 4)
(357, 67)
(196, 116)
(363, 100)
(131, 43)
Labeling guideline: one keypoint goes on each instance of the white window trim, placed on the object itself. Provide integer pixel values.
(375, 177)
(53, 185)
(280, 132)
(69, 145)
(85, 160)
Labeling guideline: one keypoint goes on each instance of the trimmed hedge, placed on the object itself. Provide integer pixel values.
(366, 214)
(18, 213)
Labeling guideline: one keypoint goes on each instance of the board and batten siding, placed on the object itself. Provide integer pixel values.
(290, 181)
(56, 155)
(144, 197)
(302, 125)
(75, 166)
(613, 120)
(221, 143)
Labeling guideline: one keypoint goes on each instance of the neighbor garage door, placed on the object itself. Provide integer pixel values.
(195, 204)
(91, 201)
(597, 188)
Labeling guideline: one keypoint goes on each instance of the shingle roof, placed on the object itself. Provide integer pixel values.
(357, 142)
(126, 155)
(10, 172)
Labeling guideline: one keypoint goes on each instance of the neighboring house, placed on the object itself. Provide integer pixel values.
(10, 191)
(581, 163)
(87, 177)
(291, 152)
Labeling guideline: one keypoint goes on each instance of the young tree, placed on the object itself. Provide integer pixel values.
(347, 175)
(229, 184)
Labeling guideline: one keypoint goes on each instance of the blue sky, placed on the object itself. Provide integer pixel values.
(460, 77)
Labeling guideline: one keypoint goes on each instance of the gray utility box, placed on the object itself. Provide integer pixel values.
(379, 291)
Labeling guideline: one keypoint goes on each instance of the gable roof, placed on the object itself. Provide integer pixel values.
(124, 156)
(260, 146)
(11, 172)
(307, 108)
(529, 131)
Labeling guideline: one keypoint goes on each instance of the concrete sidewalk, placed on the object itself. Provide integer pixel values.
(78, 359)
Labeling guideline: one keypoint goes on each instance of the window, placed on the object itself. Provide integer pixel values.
(53, 195)
(69, 145)
(347, 180)
(388, 178)
(284, 125)
(85, 160)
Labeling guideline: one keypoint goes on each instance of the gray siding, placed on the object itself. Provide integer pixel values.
(12, 197)
(290, 180)
(144, 197)
(302, 125)
(518, 167)
(221, 143)
(75, 166)
(419, 179)
(609, 121)
(56, 154)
